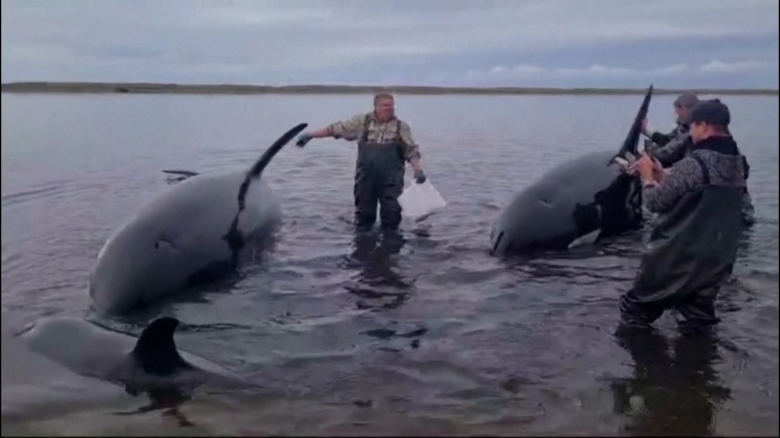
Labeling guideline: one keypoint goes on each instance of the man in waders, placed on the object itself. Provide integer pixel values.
(384, 145)
(673, 147)
(693, 246)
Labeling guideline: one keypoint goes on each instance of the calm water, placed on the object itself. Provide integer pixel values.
(360, 335)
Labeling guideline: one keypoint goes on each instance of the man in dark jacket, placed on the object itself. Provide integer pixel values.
(673, 147)
(384, 145)
(693, 247)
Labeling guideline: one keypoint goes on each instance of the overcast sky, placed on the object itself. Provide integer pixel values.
(673, 43)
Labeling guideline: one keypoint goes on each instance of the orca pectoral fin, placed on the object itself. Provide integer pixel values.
(623, 163)
(182, 175)
(587, 239)
(138, 411)
(187, 173)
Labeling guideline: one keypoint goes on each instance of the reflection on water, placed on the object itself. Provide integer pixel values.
(165, 398)
(378, 283)
(677, 394)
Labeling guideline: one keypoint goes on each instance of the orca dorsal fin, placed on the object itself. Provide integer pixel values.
(233, 236)
(631, 143)
(272, 150)
(156, 350)
(264, 159)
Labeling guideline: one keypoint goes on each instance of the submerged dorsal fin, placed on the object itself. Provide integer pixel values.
(156, 351)
(631, 143)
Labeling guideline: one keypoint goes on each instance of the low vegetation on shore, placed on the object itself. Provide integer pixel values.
(97, 87)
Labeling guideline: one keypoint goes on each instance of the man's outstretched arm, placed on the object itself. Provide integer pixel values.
(348, 129)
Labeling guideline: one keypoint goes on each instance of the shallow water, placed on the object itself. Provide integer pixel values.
(355, 334)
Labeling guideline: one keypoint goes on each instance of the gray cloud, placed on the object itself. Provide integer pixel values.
(530, 71)
(550, 42)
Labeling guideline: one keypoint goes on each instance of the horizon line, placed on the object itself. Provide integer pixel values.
(313, 88)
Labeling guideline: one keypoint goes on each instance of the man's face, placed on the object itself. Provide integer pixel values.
(680, 111)
(698, 132)
(385, 109)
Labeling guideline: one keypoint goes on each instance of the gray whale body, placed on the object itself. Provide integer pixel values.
(579, 201)
(191, 234)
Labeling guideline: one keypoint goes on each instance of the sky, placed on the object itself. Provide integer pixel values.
(558, 43)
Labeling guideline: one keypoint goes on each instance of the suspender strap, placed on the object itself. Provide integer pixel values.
(705, 172)
(366, 121)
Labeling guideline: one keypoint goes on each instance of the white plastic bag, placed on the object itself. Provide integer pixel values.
(419, 200)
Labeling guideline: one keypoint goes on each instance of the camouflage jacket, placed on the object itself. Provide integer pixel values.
(383, 133)
(673, 147)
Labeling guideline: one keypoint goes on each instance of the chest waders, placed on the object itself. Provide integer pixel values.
(679, 148)
(379, 177)
(691, 252)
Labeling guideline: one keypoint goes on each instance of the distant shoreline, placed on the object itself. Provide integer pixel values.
(161, 88)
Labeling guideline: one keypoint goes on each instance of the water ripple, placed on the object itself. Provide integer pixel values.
(428, 326)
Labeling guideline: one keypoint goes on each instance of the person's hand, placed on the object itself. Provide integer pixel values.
(659, 173)
(419, 176)
(645, 165)
(303, 139)
(649, 169)
(630, 167)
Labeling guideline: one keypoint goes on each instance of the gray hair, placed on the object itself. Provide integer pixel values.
(686, 100)
(381, 96)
